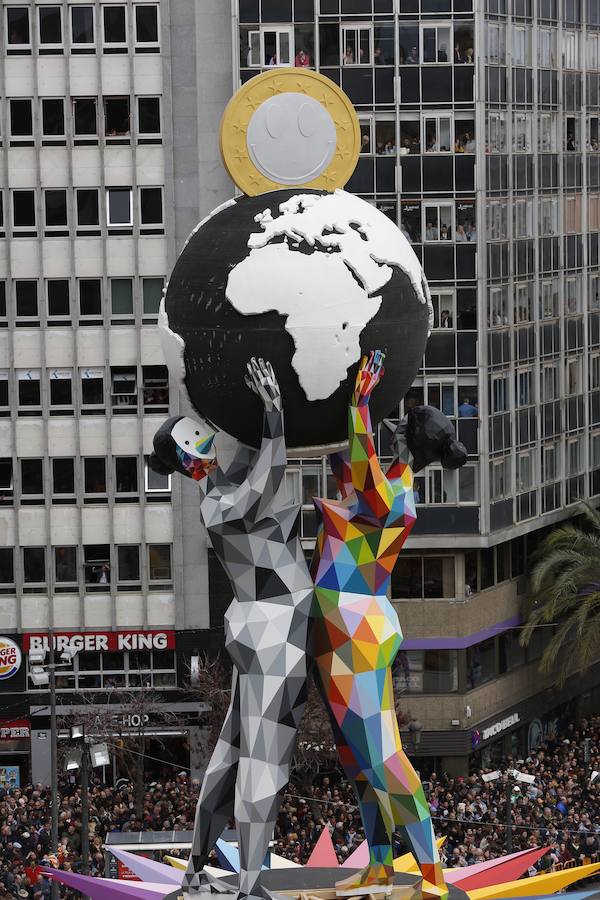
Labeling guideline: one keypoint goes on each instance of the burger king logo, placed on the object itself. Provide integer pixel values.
(10, 658)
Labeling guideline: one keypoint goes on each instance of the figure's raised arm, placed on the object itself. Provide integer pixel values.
(267, 471)
(373, 492)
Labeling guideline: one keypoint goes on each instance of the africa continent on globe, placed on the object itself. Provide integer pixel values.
(310, 281)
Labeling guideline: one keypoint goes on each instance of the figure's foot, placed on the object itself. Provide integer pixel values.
(368, 880)
(435, 891)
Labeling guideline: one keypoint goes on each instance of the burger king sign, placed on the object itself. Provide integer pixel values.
(10, 658)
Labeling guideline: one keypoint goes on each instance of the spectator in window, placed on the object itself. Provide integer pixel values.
(445, 319)
(378, 57)
(457, 54)
(471, 232)
(460, 234)
(469, 143)
(431, 233)
(413, 56)
(444, 233)
(467, 410)
(468, 55)
(349, 57)
(302, 60)
(102, 573)
(432, 144)
(365, 144)
(442, 54)
(405, 231)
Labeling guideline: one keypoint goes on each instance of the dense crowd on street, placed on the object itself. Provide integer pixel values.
(560, 809)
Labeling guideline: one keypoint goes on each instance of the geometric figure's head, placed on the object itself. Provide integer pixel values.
(430, 438)
(309, 280)
(184, 445)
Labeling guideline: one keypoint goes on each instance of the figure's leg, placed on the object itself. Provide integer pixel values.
(375, 810)
(216, 801)
(373, 733)
(272, 708)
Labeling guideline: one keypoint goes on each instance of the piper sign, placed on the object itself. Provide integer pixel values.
(102, 641)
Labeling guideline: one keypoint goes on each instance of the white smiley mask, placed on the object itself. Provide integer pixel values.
(291, 138)
(194, 438)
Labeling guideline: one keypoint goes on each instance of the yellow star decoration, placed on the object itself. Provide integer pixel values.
(242, 106)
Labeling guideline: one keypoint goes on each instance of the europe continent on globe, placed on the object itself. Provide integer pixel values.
(310, 281)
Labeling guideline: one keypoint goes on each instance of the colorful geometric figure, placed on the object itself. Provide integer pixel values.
(548, 883)
(493, 871)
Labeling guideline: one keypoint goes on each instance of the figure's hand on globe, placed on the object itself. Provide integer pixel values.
(368, 377)
(261, 379)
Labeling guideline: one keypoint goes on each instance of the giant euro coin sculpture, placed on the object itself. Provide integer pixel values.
(309, 279)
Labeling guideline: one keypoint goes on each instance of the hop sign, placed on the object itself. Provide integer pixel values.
(10, 658)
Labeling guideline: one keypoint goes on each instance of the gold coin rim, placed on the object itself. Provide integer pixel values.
(232, 133)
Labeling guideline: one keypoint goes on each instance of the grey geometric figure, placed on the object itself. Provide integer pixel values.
(256, 537)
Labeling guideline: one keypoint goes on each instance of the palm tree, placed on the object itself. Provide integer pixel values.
(565, 591)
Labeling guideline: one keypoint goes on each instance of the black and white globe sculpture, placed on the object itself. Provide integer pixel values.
(310, 281)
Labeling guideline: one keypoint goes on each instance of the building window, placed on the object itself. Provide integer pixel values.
(7, 568)
(21, 119)
(4, 395)
(23, 210)
(96, 565)
(570, 49)
(18, 36)
(426, 672)
(438, 134)
(151, 211)
(63, 476)
(58, 298)
(270, 47)
(424, 578)
(356, 45)
(34, 565)
(50, 27)
(116, 117)
(146, 26)
(53, 118)
(29, 394)
(90, 297)
(124, 390)
(32, 478)
(438, 221)
(159, 562)
(55, 209)
(444, 313)
(128, 562)
(6, 480)
(121, 294)
(92, 388)
(126, 475)
(522, 123)
(156, 388)
(155, 483)
(61, 387)
(88, 215)
(118, 204)
(152, 289)
(481, 663)
(435, 40)
(84, 117)
(94, 475)
(548, 218)
(82, 27)
(65, 565)
(149, 116)
(114, 21)
(26, 299)
(496, 132)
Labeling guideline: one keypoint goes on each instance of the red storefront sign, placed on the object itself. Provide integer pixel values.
(101, 640)
(15, 730)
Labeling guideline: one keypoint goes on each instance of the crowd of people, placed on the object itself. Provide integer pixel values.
(560, 809)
